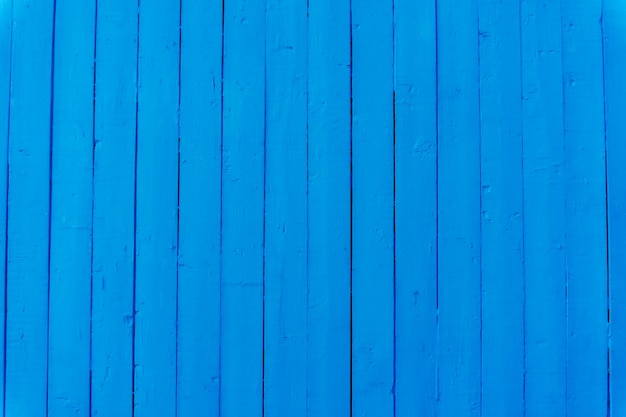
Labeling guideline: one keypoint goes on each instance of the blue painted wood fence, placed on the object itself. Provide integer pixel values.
(322, 208)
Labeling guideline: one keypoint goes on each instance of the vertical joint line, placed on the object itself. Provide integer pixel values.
(480, 203)
(134, 312)
(93, 187)
(264, 202)
(395, 286)
(180, 37)
(607, 222)
(219, 389)
(521, 58)
(351, 215)
(437, 387)
(51, 144)
(6, 219)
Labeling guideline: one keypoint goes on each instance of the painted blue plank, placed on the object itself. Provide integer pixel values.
(156, 209)
(544, 207)
(200, 204)
(5, 88)
(71, 210)
(285, 309)
(614, 37)
(113, 209)
(372, 209)
(28, 209)
(416, 207)
(501, 210)
(329, 209)
(241, 380)
(585, 211)
(459, 296)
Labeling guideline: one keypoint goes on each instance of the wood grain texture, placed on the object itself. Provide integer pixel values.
(312, 208)
(28, 265)
(544, 208)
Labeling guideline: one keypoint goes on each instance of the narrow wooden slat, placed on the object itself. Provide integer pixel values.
(614, 38)
(71, 210)
(372, 209)
(156, 209)
(28, 209)
(200, 202)
(113, 209)
(544, 207)
(502, 210)
(285, 336)
(5, 92)
(585, 211)
(416, 206)
(459, 295)
(241, 380)
(328, 362)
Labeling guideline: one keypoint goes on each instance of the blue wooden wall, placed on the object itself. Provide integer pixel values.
(322, 208)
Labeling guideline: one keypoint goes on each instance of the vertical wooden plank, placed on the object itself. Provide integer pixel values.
(502, 210)
(459, 295)
(586, 251)
(329, 209)
(285, 308)
(157, 207)
(5, 93)
(28, 209)
(200, 203)
(614, 38)
(415, 86)
(544, 220)
(114, 209)
(372, 209)
(71, 210)
(241, 381)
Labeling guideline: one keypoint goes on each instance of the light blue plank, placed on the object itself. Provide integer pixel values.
(502, 210)
(416, 207)
(156, 209)
(113, 209)
(200, 204)
(71, 210)
(28, 209)
(585, 212)
(372, 209)
(544, 207)
(5, 88)
(329, 209)
(285, 312)
(614, 37)
(241, 380)
(459, 296)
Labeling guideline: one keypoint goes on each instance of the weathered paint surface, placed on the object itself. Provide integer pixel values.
(312, 208)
